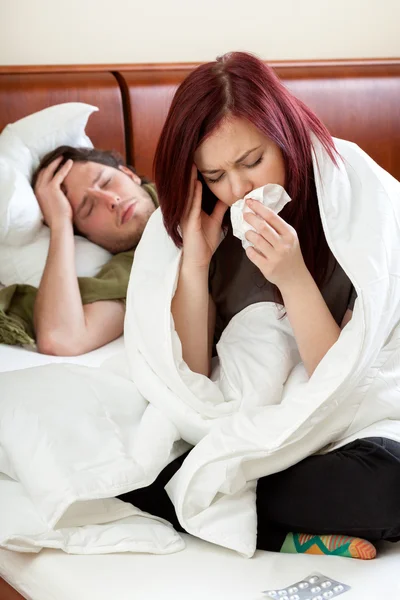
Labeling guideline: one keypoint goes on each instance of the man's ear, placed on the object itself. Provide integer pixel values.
(130, 174)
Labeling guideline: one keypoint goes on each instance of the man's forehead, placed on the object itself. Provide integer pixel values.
(81, 176)
(88, 169)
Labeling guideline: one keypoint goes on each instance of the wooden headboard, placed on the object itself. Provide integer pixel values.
(357, 100)
(24, 93)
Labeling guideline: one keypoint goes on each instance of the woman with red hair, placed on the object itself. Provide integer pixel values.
(233, 128)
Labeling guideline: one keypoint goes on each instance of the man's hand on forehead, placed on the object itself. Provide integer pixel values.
(52, 200)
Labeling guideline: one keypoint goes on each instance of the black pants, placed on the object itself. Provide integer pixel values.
(354, 490)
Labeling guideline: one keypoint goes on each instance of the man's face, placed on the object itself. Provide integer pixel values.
(109, 205)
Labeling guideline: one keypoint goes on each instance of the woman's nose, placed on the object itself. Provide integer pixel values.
(240, 187)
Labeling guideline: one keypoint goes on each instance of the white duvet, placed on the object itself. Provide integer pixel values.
(73, 437)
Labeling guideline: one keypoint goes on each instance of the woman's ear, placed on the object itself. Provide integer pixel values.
(130, 174)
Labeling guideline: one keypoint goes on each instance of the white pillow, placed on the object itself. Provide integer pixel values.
(20, 215)
(25, 142)
(25, 264)
(22, 145)
(24, 239)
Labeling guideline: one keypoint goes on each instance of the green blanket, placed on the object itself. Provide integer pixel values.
(17, 301)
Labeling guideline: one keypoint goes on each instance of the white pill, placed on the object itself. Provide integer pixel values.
(338, 588)
(271, 594)
(313, 579)
(326, 584)
(328, 594)
(295, 597)
(292, 590)
(282, 593)
(318, 598)
(316, 589)
(303, 585)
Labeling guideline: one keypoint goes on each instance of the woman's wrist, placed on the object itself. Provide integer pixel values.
(297, 284)
(193, 267)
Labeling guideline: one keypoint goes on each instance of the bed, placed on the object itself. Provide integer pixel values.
(358, 101)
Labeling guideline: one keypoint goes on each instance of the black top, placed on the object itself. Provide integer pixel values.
(235, 283)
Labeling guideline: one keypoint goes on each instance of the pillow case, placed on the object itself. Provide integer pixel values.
(26, 141)
(25, 264)
(24, 239)
(20, 214)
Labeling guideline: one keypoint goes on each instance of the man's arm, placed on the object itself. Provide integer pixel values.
(63, 325)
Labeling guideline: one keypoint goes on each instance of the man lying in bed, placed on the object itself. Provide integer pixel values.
(92, 193)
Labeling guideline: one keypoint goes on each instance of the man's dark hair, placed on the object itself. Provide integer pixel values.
(110, 158)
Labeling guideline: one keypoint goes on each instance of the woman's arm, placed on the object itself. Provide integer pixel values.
(277, 254)
(313, 325)
(194, 314)
(312, 322)
(192, 307)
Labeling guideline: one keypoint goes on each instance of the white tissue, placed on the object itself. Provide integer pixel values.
(272, 195)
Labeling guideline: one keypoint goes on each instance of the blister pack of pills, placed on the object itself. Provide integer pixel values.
(313, 587)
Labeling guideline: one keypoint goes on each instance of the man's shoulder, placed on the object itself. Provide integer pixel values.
(122, 259)
(151, 190)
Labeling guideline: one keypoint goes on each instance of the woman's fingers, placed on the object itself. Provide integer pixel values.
(193, 177)
(256, 258)
(260, 243)
(197, 200)
(191, 197)
(219, 212)
(268, 215)
(263, 228)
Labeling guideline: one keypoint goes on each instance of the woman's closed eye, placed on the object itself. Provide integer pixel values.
(255, 164)
(214, 180)
(251, 166)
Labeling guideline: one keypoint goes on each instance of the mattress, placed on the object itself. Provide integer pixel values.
(200, 571)
(13, 358)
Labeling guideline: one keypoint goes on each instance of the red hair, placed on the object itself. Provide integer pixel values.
(240, 85)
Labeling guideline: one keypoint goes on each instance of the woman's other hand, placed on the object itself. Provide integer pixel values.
(201, 233)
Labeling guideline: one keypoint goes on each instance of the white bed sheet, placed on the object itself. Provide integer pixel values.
(198, 572)
(13, 358)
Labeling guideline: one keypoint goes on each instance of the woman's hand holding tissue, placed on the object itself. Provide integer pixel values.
(277, 254)
(201, 233)
(52, 201)
(276, 249)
